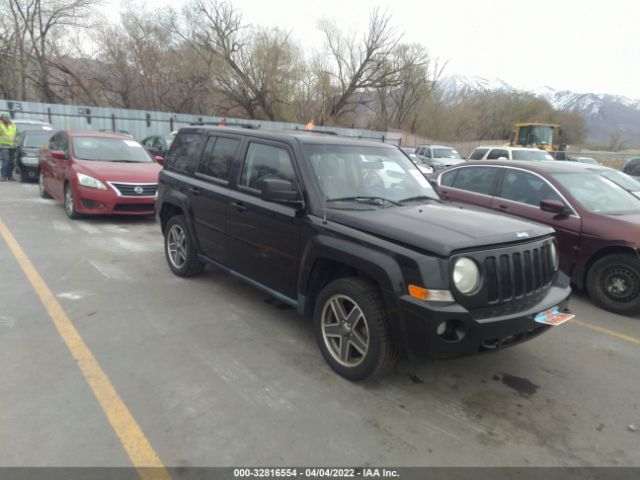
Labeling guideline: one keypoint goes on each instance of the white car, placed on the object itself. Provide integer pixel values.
(502, 152)
(445, 155)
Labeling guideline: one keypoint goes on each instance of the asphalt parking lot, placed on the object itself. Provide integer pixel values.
(215, 373)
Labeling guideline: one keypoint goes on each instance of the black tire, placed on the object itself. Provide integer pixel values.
(613, 283)
(69, 203)
(43, 192)
(180, 254)
(380, 354)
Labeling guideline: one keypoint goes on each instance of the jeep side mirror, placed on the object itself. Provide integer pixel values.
(278, 190)
(553, 206)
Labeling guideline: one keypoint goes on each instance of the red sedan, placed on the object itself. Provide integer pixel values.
(98, 174)
(597, 223)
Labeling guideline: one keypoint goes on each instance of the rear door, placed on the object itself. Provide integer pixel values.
(264, 237)
(210, 195)
(470, 184)
(58, 167)
(521, 192)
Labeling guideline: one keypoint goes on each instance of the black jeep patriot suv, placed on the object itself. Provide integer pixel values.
(350, 233)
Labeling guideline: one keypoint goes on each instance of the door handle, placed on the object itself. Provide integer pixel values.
(195, 190)
(504, 207)
(239, 206)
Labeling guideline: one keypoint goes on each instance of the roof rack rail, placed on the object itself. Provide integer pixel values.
(313, 130)
(228, 124)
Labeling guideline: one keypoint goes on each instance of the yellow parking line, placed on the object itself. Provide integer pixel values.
(127, 429)
(606, 331)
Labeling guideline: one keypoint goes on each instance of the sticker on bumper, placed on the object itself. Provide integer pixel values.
(553, 317)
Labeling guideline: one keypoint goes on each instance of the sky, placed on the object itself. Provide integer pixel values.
(584, 46)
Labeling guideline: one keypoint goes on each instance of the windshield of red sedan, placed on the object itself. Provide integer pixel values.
(598, 194)
(109, 150)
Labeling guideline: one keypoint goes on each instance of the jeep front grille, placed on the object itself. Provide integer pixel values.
(509, 274)
(522, 273)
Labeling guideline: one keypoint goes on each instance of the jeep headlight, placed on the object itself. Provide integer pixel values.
(554, 256)
(466, 275)
(87, 181)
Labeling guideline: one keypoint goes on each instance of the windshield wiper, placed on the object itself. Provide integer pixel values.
(126, 161)
(419, 198)
(364, 199)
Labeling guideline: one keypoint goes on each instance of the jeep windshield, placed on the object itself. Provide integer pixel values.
(379, 176)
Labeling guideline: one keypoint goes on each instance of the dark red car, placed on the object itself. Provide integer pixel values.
(597, 222)
(98, 174)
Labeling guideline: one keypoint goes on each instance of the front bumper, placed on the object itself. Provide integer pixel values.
(28, 168)
(91, 201)
(478, 331)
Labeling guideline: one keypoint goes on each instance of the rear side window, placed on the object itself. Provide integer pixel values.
(185, 151)
(497, 153)
(478, 153)
(266, 161)
(476, 179)
(448, 178)
(218, 157)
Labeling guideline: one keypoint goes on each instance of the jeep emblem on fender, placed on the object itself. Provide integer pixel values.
(518, 234)
(140, 191)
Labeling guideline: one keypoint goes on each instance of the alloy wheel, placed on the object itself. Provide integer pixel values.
(177, 246)
(345, 330)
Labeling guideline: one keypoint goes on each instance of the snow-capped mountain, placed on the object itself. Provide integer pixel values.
(603, 113)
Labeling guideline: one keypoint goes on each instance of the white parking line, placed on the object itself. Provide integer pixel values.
(110, 271)
(61, 226)
(90, 229)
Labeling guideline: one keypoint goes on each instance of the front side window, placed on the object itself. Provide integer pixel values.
(266, 161)
(109, 150)
(217, 161)
(476, 179)
(525, 187)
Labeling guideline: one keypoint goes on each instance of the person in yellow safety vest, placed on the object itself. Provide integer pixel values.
(8, 133)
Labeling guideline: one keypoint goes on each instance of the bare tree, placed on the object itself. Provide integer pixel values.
(253, 68)
(40, 21)
(397, 106)
(358, 65)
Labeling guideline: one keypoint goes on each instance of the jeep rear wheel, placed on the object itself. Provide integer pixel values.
(352, 329)
(613, 282)
(178, 248)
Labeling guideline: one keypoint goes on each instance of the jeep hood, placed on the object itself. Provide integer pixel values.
(440, 228)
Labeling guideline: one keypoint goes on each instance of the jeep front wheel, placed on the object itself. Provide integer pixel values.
(178, 248)
(352, 330)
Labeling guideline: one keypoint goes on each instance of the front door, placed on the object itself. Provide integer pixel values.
(264, 237)
(57, 168)
(521, 193)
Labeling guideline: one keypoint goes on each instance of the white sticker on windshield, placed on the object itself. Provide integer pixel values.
(132, 143)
